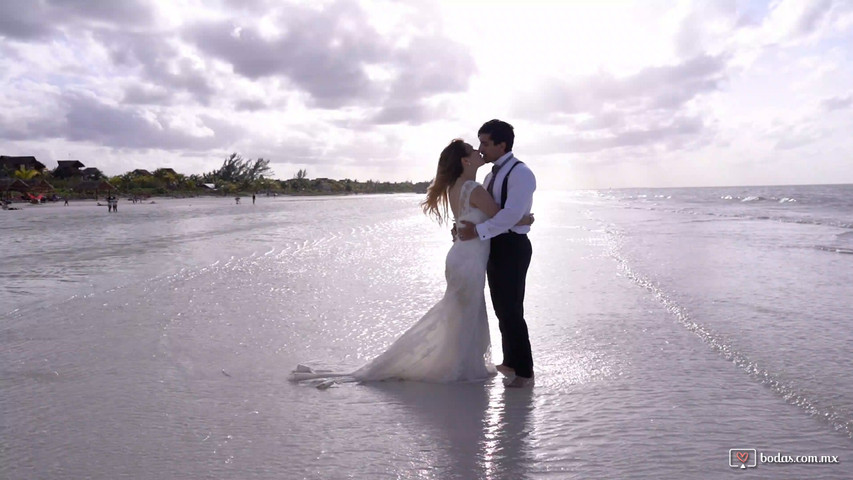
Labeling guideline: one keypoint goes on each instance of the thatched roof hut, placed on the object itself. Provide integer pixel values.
(93, 173)
(68, 168)
(9, 185)
(40, 185)
(13, 185)
(70, 164)
(15, 163)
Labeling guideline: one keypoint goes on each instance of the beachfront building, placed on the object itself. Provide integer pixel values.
(68, 169)
(93, 173)
(10, 164)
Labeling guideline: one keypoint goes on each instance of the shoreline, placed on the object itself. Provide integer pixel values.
(156, 199)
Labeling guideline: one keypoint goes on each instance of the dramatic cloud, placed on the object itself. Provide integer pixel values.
(329, 54)
(374, 89)
(317, 54)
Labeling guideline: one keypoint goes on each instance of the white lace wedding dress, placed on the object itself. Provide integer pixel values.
(451, 342)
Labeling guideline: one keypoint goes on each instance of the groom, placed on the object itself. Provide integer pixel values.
(511, 184)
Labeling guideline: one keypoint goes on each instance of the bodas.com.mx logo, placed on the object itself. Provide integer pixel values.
(743, 458)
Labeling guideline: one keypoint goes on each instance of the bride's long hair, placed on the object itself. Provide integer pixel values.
(449, 169)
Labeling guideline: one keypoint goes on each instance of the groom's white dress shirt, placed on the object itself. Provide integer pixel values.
(519, 200)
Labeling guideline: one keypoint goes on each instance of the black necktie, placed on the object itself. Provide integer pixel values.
(495, 169)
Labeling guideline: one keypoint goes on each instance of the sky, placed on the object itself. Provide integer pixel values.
(602, 94)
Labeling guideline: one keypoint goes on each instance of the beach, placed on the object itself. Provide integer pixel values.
(668, 326)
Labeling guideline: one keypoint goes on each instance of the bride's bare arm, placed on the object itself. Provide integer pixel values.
(481, 199)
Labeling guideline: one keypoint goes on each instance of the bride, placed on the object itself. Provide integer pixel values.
(450, 343)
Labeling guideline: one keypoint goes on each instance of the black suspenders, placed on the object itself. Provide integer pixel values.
(506, 180)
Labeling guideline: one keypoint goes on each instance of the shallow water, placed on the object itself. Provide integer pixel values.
(155, 342)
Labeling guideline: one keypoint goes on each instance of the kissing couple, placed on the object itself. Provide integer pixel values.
(451, 343)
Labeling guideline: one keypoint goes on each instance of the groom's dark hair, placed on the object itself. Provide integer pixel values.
(499, 131)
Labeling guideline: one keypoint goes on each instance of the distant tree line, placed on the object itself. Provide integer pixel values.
(236, 175)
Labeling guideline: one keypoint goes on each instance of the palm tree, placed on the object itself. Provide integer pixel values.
(25, 173)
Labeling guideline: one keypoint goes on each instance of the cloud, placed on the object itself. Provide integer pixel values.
(21, 20)
(792, 21)
(329, 54)
(127, 29)
(431, 65)
(250, 105)
(650, 107)
(88, 119)
(706, 28)
(324, 56)
(666, 87)
(794, 134)
(811, 16)
(145, 94)
(406, 113)
(670, 134)
(607, 120)
(364, 88)
(161, 62)
(837, 103)
(428, 66)
(28, 20)
(321, 51)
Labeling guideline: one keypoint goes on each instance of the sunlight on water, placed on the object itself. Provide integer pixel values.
(168, 331)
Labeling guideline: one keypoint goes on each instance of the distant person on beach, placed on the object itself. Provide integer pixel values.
(237, 200)
(66, 202)
(450, 343)
(253, 199)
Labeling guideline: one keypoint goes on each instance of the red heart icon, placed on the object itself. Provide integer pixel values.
(742, 456)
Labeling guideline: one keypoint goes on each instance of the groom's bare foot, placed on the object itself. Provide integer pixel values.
(518, 382)
(505, 371)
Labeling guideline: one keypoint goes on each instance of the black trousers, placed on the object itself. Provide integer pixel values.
(509, 259)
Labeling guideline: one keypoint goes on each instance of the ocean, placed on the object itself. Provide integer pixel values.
(677, 333)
